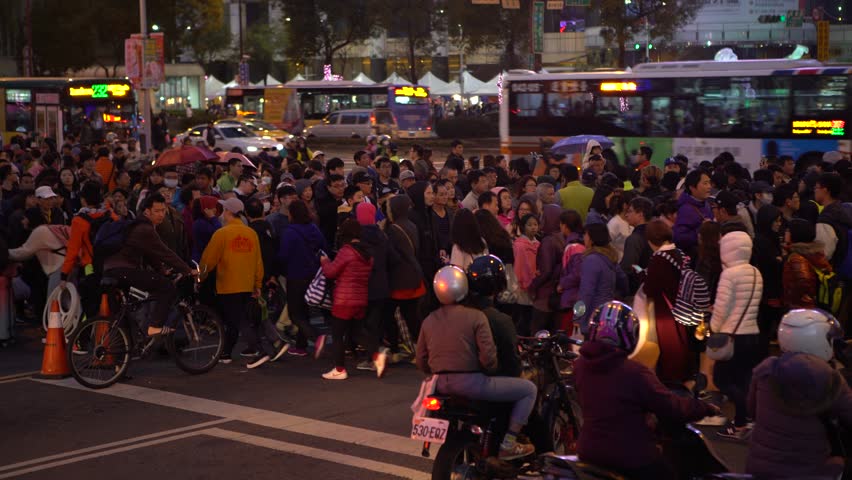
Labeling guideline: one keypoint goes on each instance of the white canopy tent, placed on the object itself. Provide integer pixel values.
(297, 78)
(450, 89)
(432, 82)
(211, 86)
(361, 78)
(395, 79)
(488, 88)
(221, 91)
(471, 83)
(270, 80)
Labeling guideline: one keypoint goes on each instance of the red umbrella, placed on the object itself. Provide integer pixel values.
(225, 157)
(185, 155)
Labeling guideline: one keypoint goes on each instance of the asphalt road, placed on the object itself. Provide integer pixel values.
(281, 420)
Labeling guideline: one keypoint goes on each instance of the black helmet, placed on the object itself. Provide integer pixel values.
(486, 276)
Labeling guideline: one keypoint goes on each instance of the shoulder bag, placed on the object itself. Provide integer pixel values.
(720, 346)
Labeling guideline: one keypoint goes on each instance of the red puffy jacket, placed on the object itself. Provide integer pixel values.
(350, 271)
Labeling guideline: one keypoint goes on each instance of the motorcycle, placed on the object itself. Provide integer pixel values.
(470, 431)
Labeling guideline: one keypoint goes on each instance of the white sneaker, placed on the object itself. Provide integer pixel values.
(260, 361)
(334, 374)
(714, 421)
(381, 362)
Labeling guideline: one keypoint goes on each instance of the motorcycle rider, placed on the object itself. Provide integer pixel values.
(793, 396)
(486, 277)
(616, 393)
(456, 344)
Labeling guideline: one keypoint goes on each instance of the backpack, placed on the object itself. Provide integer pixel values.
(693, 298)
(829, 291)
(107, 237)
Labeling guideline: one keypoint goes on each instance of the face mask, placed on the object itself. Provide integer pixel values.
(170, 182)
(266, 180)
(266, 206)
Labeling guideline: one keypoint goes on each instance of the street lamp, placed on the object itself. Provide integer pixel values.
(155, 27)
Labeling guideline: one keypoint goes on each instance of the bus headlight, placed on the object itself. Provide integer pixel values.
(251, 149)
(279, 147)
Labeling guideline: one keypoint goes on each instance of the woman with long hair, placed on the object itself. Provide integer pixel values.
(601, 279)
(525, 250)
(68, 188)
(599, 209)
(548, 266)
(525, 185)
(709, 266)
(529, 204)
(505, 213)
(468, 243)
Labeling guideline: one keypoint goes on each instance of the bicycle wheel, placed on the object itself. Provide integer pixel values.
(198, 342)
(99, 353)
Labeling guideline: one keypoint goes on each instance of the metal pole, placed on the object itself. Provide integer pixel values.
(144, 94)
(240, 17)
(28, 51)
(648, 43)
(461, 64)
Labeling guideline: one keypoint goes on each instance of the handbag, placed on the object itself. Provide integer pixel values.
(320, 290)
(720, 346)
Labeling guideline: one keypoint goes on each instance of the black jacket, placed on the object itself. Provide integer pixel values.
(505, 337)
(636, 252)
(374, 240)
(268, 246)
(766, 254)
(841, 222)
(406, 275)
(327, 212)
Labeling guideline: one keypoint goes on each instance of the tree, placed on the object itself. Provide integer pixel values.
(60, 46)
(415, 25)
(622, 21)
(263, 43)
(485, 26)
(209, 37)
(322, 28)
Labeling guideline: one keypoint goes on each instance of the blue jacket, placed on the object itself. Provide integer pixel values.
(300, 244)
(601, 280)
(202, 231)
(690, 214)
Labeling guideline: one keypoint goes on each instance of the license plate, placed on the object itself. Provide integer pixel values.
(433, 430)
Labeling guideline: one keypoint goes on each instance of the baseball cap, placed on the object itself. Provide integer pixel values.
(361, 177)
(408, 174)
(726, 200)
(671, 161)
(589, 176)
(387, 191)
(317, 154)
(761, 187)
(233, 205)
(45, 192)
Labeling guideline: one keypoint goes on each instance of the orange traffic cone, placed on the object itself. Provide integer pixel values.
(54, 364)
(102, 330)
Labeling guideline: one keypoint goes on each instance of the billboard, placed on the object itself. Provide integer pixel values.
(744, 11)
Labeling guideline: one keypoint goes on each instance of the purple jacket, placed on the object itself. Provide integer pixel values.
(615, 394)
(690, 214)
(601, 280)
(788, 395)
(569, 279)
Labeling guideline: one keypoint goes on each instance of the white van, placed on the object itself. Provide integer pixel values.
(356, 123)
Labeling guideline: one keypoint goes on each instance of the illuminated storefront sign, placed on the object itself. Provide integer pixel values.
(411, 92)
(100, 90)
(618, 87)
(834, 128)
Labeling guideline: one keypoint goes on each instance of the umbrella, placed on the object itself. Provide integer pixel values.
(184, 155)
(225, 157)
(577, 144)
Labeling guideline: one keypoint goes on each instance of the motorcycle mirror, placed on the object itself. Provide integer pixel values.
(579, 309)
(542, 334)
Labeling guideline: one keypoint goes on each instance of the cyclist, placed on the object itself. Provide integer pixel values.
(142, 247)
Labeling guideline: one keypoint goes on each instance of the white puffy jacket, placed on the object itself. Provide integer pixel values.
(735, 287)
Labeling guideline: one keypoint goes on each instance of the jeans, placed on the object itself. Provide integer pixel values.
(160, 289)
(298, 310)
(478, 386)
(733, 377)
(234, 309)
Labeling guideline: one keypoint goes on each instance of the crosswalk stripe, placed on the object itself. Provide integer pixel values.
(267, 418)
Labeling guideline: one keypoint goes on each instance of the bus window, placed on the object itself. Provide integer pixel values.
(746, 106)
(684, 114)
(819, 96)
(622, 113)
(18, 109)
(569, 104)
(660, 116)
(349, 119)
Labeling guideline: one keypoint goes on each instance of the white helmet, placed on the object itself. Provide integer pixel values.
(810, 331)
(450, 285)
(372, 138)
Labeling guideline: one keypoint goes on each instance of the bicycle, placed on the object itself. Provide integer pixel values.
(101, 350)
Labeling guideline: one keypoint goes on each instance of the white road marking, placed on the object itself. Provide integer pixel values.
(319, 454)
(104, 453)
(113, 444)
(267, 418)
(19, 376)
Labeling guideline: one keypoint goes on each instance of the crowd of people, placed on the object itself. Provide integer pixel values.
(763, 242)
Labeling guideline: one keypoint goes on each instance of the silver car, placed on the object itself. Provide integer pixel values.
(229, 135)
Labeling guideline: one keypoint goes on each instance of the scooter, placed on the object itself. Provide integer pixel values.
(471, 431)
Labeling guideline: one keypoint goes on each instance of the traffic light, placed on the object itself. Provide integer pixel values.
(636, 46)
(650, 46)
(772, 19)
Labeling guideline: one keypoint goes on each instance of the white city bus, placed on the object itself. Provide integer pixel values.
(750, 108)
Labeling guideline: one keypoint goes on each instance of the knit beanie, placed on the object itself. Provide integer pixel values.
(801, 231)
(365, 213)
